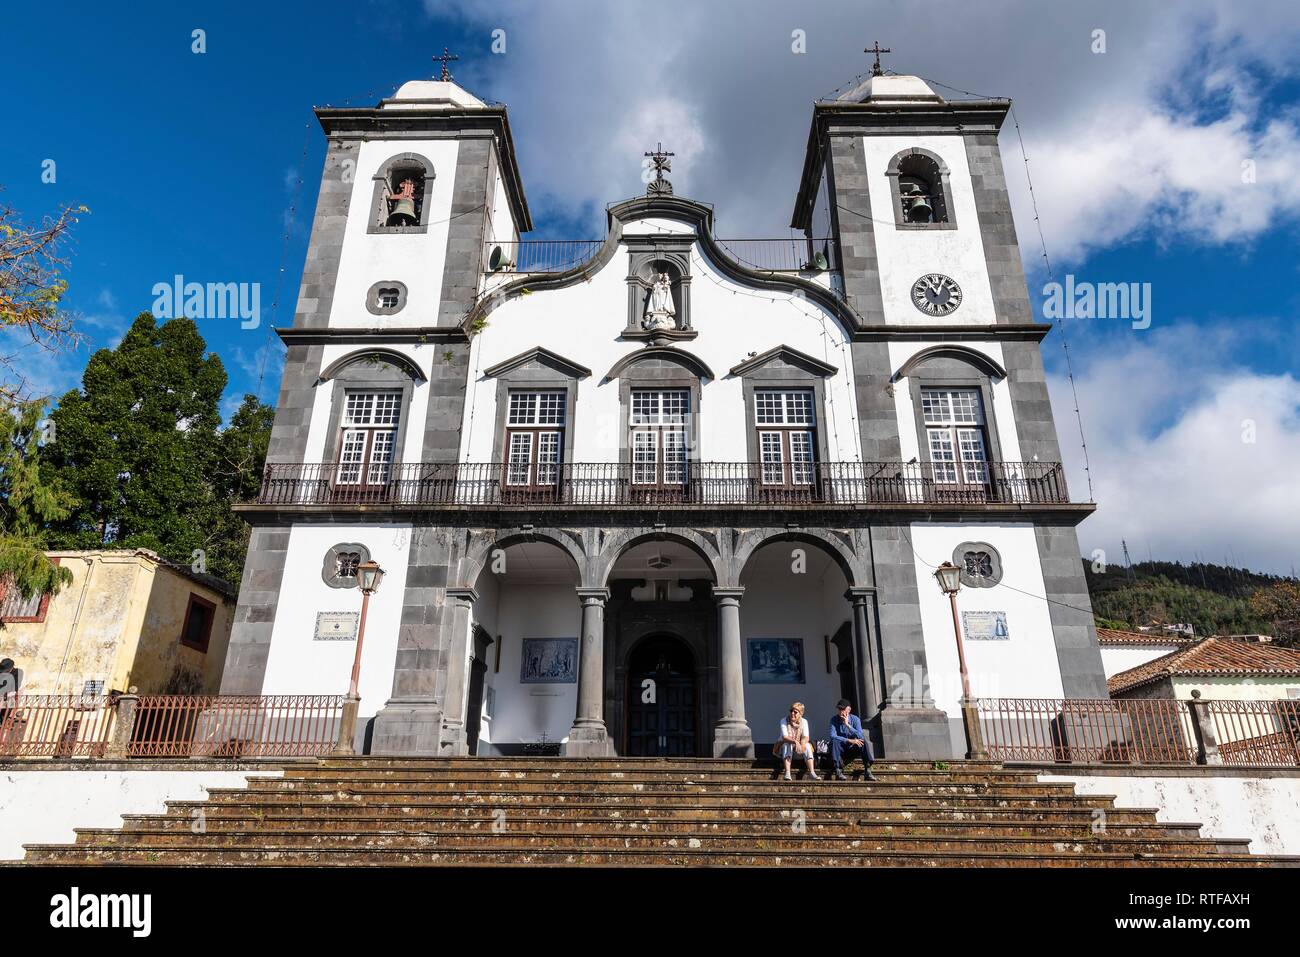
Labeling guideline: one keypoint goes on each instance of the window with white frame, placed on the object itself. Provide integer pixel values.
(535, 424)
(954, 426)
(659, 422)
(368, 437)
(786, 421)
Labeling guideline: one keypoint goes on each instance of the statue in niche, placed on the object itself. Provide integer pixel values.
(660, 312)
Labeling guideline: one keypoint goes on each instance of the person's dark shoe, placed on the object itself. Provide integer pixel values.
(839, 775)
(868, 776)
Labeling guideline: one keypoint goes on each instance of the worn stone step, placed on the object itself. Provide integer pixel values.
(512, 839)
(627, 763)
(570, 856)
(829, 822)
(598, 778)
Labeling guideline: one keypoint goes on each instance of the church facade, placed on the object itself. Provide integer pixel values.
(634, 496)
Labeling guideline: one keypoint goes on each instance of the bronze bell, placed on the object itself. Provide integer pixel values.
(403, 212)
(920, 211)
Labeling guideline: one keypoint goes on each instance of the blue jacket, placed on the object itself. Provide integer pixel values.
(845, 730)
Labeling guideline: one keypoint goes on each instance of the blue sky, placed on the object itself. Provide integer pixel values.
(190, 164)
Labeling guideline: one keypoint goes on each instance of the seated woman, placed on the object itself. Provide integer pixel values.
(794, 740)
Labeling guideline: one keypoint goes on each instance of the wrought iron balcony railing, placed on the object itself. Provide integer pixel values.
(561, 255)
(689, 484)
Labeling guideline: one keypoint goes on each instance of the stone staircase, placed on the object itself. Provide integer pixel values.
(629, 811)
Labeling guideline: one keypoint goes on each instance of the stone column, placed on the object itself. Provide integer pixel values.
(870, 694)
(460, 608)
(731, 735)
(1207, 735)
(588, 738)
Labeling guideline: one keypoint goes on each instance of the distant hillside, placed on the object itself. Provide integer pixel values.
(1214, 599)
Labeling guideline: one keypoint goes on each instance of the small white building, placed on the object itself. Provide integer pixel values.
(1122, 650)
(1218, 668)
(635, 495)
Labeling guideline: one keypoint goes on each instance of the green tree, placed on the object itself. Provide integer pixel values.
(1278, 604)
(28, 503)
(241, 457)
(137, 444)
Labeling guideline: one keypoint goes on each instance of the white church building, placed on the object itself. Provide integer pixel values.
(634, 496)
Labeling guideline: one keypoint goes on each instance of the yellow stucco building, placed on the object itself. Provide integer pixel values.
(129, 617)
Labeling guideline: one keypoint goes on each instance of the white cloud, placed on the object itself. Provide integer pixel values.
(1168, 424)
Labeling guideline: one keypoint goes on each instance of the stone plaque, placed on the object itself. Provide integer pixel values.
(985, 625)
(337, 625)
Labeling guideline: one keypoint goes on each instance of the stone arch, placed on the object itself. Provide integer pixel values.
(383, 183)
(693, 364)
(403, 362)
(930, 167)
(601, 565)
(850, 564)
(971, 357)
(478, 553)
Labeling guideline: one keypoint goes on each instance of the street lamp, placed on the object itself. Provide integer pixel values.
(369, 575)
(949, 578)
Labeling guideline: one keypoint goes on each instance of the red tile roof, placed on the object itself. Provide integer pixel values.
(1113, 636)
(1222, 657)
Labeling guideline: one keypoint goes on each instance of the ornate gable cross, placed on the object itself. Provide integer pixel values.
(662, 164)
(445, 59)
(877, 49)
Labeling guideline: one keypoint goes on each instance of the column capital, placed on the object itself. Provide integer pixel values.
(468, 595)
(860, 593)
(592, 594)
(734, 593)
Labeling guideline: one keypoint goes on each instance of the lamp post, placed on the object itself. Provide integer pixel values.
(949, 578)
(369, 575)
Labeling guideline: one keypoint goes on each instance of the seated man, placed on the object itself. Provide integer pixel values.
(848, 740)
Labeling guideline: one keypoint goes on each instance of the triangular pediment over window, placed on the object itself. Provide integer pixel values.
(541, 357)
(786, 355)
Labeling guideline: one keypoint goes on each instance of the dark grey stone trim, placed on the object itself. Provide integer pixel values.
(378, 211)
(538, 375)
(337, 336)
(1030, 404)
(540, 356)
(658, 374)
(372, 298)
(995, 560)
(983, 332)
(787, 356)
(962, 354)
(448, 383)
(943, 373)
(1070, 609)
(329, 572)
(997, 230)
(372, 357)
(302, 366)
(769, 377)
(945, 191)
(663, 356)
(674, 252)
(466, 232)
(905, 672)
(359, 376)
(320, 271)
(259, 596)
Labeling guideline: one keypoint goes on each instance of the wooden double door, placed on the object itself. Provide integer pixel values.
(662, 700)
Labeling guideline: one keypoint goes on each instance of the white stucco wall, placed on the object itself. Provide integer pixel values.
(1239, 689)
(583, 322)
(1023, 666)
(1115, 659)
(42, 806)
(1263, 809)
(904, 255)
(415, 259)
(296, 663)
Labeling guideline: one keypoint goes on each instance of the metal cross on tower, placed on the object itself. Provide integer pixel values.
(445, 59)
(659, 158)
(877, 49)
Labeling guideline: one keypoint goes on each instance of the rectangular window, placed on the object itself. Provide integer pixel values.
(786, 422)
(954, 425)
(659, 441)
(368, 437)
(197, 630)
(535, 423)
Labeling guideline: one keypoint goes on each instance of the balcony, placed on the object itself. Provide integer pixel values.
(561, 255)
(698, 485)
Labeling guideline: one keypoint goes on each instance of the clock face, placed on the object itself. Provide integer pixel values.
(936, 295)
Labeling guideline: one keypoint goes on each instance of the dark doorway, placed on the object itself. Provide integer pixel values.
(661, 710)
(474, 702)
